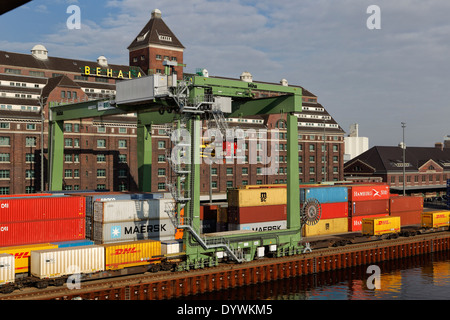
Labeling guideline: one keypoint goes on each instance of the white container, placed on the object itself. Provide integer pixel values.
(154, 229)
(171, 247)
(53, 263)
(132, 210)
(7, 268)
(260, 226)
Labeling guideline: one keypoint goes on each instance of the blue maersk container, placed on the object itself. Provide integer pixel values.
(329, 194)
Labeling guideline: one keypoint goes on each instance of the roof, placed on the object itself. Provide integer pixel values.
(156, 32)
(52, 63)
(388, 158)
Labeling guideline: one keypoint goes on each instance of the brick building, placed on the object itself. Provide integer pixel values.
(426, 168)
(101, 153)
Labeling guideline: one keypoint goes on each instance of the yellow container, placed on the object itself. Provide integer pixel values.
(22, 254)
(130, 254)
(436, 219)
(326, 227)
(253, 197)
(381, 225)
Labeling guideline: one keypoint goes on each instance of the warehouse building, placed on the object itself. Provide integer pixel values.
(100, 153)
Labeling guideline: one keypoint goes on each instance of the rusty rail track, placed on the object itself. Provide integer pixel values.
(170, 285)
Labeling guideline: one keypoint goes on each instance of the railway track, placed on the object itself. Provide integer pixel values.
(165, 285)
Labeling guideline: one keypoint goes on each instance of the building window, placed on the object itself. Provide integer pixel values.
(4, 174)
(29, 174)
(161, 158)
(68, 142)
(67, 173)
(258, 181)
(161, 186)
(4, 125)
(30, 142)
(4, 157)
(101, 143)
(29, 189)
(76, 143)
(214, 171)
(258, 170)
(214, 184)
(76, 173)
(122, 130)
(13, 71)
(101, 173)
(229, 171)
(76, 158)
(122, 158)
(4, 190)
(76, 127)
(161, 172)
(229, 184)
(393, 179)
(311, 170)
(5, 141)
(101, 129)
(244, 182)
(122, 173)
(161, 144)
(335, 148)
(158, 57)
(67, 158)
(311, 158)
(101, 187)
(101, 158)
(311, 147)
(122, 143)
(63, 94)
(122, 187)
(67, 127)
(244, 170)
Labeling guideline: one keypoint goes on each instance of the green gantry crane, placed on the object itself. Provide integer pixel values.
(162, 99)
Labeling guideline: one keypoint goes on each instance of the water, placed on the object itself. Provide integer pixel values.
(425, 277)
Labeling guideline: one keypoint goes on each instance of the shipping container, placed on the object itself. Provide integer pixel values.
(436, 219)
(74, 243)
(41, 208)
(368, 192)
(134, 230)
(41, 231)
(326, 227)
(355, 223)
(222, 214)
(207, 226)
(334, 210)
(369, 207)
(132, 210)
(322, 194)
(256, 197)
(380, 226)
(132, 254)
(54, 263)
(208, 212)
(240, 215)
(171, 247)
(408, 203)
(408, 217)
(22, 254)
(7, 274)
(259, 226)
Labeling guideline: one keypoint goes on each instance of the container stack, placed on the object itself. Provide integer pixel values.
(39, 219)
(367, 201)
(132, 220)
(258, 208)
(408, 208)
(332, 201)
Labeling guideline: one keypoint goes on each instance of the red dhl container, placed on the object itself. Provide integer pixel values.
(407, 203)
(355, 223)
(241, 215)
(41, 208)
(368, 192)
(369, 207)
(334, 210)
(40, 231)
(408, 217)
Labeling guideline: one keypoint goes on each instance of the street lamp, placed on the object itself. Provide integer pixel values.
(403, 146)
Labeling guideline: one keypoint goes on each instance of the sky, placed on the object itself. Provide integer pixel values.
(377, 78)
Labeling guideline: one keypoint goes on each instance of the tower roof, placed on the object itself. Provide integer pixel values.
(156, 32)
